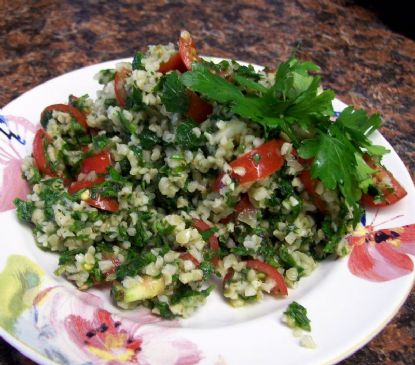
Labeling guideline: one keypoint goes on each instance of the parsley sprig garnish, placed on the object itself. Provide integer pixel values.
(297, 105)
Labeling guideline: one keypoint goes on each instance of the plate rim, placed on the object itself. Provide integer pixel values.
(31, 353)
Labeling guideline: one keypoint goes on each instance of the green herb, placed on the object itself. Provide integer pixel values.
(108, 189)
(134, 100)
(24, 209)
(296, 100)
(164, 309)
(128, 126)
(186, 138)
(137, 61)
(249, 84)
(99, 142)
(209, 233)
(174, 96)
(105, 76)
(79, 103)
(134, 263)
(246, 71)
(256, 158)
(298, 314)
(149, 139)
(68, 257)
(184, 291)
(45, 117)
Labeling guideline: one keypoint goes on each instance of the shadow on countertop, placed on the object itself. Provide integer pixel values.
(397, 15)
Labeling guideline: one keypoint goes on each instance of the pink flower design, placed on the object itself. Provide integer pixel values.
(76, 325)
(15, 132)
(104, 337)
(382, 255)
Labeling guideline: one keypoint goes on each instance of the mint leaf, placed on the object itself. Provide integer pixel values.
(174, 96)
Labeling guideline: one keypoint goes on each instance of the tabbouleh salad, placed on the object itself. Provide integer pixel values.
(182, 170)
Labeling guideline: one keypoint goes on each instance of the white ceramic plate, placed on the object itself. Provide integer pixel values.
(51, 322)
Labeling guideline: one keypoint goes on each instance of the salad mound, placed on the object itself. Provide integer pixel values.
(182, 169)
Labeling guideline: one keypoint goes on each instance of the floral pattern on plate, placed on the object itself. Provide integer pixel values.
(73, 327)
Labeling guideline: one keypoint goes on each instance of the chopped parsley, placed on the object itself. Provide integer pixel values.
(298, 314)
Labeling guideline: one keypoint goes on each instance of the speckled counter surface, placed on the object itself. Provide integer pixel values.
(362, 60)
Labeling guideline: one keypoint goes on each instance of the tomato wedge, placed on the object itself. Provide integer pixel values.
(271, 272)
(98, 163)
(84, 184)
(229, 276)
(390, 188)
(39, 153)
(187, 49)
(198, 108)
(310, 187)
(202, 226)
(79, 116)
(190, 257)
(119, 89)
(175, 62)
(243, 205)
(108, 204)
(258, 163)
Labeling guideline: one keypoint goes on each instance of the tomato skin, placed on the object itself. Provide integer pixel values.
(203, 226)
(217, 183)
(84, 184)
(187, 49)
(310, 187)
(175, 62)
(269, 161)
(79, 116)
(244, 204)
(391, 196)
(190, 257)
(108, 204)
(98, 163)
(120, 92)
(198, 108)
(228, 276)
(39, 153)
(271, 272)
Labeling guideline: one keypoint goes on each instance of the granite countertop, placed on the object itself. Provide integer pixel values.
(367, 64)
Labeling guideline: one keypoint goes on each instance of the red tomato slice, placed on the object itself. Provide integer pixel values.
(190, 257)
(187, 49)
(175, 62)
(389, 187)
(119, 89)
(98, 163)
(213, 239)
(243, 205)
(79, 116)
(271, 272)
(259, 163)
(39, 153)
(84, 184)
(310, 187)
(228, 276)
(199, 109)
(108, 204)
